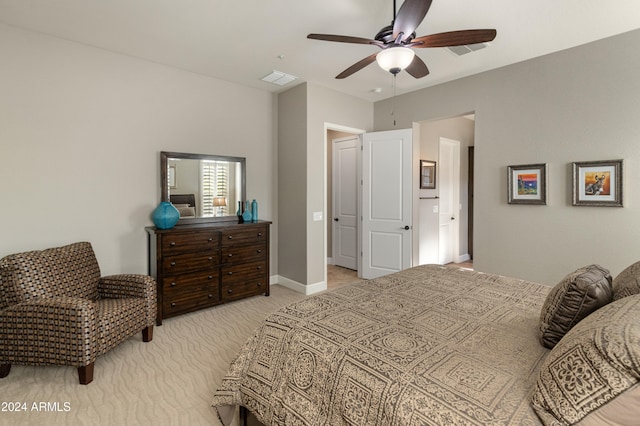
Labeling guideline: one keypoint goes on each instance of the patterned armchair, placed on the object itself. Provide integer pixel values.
(56, 309)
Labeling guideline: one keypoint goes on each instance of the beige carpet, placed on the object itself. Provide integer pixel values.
(338, 276)
(168, 381)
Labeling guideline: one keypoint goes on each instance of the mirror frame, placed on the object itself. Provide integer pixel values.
(164, 183)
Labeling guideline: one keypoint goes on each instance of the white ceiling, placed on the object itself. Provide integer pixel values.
(242, 41)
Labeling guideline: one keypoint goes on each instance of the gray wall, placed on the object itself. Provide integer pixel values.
(81, 130)
(302, 241)
(576, 105)
(292, 183)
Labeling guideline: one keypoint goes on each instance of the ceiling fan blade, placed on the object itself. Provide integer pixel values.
(357, 66)
(454, 38)
(410, 15)
(344, 39)
(417, 68)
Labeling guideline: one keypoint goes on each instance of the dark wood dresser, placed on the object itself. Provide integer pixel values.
(201, 265)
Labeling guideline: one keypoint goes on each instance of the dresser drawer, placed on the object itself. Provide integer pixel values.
(238, 254)
(180, 263)
(245, 288)
(189, 241)
(243, 272)
(252, 234)
(176, 284)
(188, 301)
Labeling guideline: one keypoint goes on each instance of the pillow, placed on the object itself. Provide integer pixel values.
(627, 282)
(572, 299)
(596, 363)
(187, 211)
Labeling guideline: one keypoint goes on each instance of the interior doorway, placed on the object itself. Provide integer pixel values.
(438, 206)
(334, 275)
(449, 201)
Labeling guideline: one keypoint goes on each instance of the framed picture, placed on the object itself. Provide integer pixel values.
(427, 174)
(172, 177)
(528, 184)
(597, 183)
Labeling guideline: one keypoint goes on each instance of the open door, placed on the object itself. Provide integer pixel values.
(386, 202)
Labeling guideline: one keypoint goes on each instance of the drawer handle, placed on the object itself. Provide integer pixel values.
(173, 284)
(230, 273)
(259, 268)
(259, 250)
(230, 255)
(259, 284)
(210, 296)
(229, 291)
(172, 243)
(210, 277)
(210, 239)
(210, 258)
(173, 305)
(230, 237)
(173, 263)
(259, 234)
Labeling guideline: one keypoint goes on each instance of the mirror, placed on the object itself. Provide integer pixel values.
(204, 188)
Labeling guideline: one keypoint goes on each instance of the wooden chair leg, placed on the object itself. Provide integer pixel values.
(85, 373)
(147, 333)
(4, 370)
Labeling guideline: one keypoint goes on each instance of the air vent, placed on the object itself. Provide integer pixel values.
(279, 78)
(467, 48)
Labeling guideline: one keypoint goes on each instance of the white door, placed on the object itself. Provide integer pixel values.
(386, 202)
(345, 201)
(449, 202)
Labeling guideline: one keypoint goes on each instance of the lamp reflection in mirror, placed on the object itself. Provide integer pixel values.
(395, 59)
(219, 202)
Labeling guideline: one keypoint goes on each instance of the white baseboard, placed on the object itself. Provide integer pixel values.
(463, 258)
(299, 287)
(330, 261)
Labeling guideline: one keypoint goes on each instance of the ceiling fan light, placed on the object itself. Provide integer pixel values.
(395, 59)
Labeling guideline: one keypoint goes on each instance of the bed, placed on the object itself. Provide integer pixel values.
(431, 345)
(185, 203)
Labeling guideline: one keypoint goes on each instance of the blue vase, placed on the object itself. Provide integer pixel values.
(165, 216)
(246, 216)
(254, 211)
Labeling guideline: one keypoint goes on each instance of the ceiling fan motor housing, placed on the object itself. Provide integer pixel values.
(385, 35)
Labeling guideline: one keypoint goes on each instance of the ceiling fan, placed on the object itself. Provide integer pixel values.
(398, 40)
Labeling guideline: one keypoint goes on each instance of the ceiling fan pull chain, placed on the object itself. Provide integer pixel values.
(393, 100)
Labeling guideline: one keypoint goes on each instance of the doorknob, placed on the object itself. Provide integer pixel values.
(407, 227)
(453, 218)
(336, 219)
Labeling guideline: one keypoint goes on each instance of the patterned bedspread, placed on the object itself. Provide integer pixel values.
(430, 345)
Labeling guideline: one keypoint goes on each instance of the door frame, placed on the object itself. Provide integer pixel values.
(337, 128)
